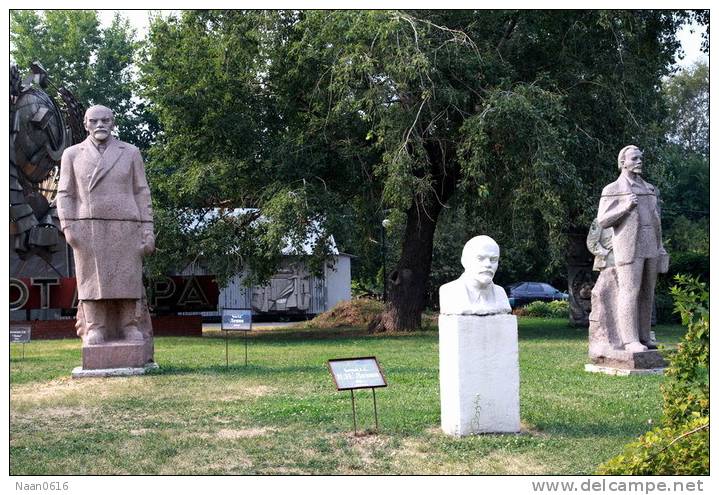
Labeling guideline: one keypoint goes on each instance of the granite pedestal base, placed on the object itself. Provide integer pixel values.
(479, 374)
(608, 370)
(603, 359)
(117, 354)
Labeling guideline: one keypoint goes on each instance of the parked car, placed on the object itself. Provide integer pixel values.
(522, 293)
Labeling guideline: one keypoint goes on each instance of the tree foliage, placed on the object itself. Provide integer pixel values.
(95, 63)
(684, 179)
(206, 74)
(516, 114)
(687, 96)
(685, 161)
(680, 445)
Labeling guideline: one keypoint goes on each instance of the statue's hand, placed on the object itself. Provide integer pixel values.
(633, 201)
(148, 242)
(663, 263)
(69, 235)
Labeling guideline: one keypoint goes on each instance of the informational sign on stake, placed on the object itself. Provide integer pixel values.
(357, 373)
(20, 334)
(234, 319)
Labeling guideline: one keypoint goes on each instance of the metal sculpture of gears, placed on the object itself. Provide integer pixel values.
(39, 133)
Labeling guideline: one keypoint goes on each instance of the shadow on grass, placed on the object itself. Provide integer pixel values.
(315, 336)
(582, 429)
(232, 369)
(549, 329)
(284, 335)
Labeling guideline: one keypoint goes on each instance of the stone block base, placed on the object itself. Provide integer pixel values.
(620, 359)
(479, 374)
(81, 373)
(117, 354)
(608, 370)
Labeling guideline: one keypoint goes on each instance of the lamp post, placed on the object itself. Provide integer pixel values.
(385, 224)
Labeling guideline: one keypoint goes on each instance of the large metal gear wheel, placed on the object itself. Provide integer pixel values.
(39, 134)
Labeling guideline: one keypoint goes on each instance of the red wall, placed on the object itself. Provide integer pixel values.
(177, 326)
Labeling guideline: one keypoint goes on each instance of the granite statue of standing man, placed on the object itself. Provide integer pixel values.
(103, 203)
(630, 206)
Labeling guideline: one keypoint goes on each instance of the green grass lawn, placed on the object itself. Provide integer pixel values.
(282, 414)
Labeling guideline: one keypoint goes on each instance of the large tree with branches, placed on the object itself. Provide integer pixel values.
(339, 116)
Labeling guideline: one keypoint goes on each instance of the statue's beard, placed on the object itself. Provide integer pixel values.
(483, 278)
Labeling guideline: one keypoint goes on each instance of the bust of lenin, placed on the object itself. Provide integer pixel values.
(474, 293)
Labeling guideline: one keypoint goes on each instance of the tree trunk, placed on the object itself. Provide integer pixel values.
(407, 284)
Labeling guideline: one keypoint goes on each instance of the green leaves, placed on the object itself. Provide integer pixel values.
(681, 444)
(686, 391)
(520, 112)
(95, 63)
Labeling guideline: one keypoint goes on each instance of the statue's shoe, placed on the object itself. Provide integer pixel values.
(94, 337)
(651, 344)
(134, 334)
(635, 347)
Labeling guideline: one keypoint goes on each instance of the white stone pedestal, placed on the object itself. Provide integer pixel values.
(479, 374)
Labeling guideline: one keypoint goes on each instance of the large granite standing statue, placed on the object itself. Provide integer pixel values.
(626, 240)
(103, 203)
(478, 348)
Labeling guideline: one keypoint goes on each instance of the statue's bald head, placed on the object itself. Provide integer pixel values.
(480, 258)
(99, 121)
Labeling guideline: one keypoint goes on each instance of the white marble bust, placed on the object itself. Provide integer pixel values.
(474, 293)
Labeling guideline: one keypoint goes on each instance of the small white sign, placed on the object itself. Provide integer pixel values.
(237, 319)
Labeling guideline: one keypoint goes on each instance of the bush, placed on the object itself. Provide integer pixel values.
(541, 309)
(686, 390)
(665, 451)
(695, 264)
(680, 445)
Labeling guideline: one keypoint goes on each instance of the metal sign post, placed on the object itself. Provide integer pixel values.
(374, 401)
(236, 319)
(356, 373)
(20, 334)
(354, 414)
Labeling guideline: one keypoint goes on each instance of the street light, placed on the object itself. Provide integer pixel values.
(385, 224)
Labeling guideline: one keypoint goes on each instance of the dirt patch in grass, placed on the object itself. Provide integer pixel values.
(208, 459)
(66, 412)
(246, 433)
(367, 447)
(411, 458)
(509, 463)
(69, 388)
(154, 388)
(29, 415)
(140, 431)
(415, 448)
(281, 470)
(421, 456)
(245, 391)
(355, 313)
